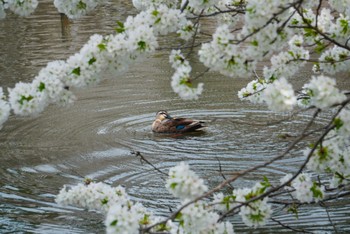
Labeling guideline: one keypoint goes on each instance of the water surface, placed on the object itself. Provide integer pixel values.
(96, 136)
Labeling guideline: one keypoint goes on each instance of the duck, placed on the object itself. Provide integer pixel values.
(164, 123)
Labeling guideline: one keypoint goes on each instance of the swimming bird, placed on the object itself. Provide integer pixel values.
(164, 123)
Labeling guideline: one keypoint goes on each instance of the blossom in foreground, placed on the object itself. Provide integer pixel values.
(257, 212)
(322, 92)
(306, 190)
(93, 196)
(4, 109)
(26, 99)
(279, 95)
(22, 7)
(334, 60)
(253, 91)
(196, 219)
(75, 9)
(125, 218)
(343, 127)
(287, 63)
(3, 6)
(181, 81)
(184, 183)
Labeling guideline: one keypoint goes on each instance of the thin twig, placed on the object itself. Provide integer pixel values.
(142, 158)
(289, 227)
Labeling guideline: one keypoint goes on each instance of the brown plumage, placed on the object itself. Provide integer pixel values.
(164, 123)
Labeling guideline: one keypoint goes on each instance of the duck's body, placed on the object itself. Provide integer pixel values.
(164, 123)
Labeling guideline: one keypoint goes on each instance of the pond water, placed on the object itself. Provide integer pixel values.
(95, 138)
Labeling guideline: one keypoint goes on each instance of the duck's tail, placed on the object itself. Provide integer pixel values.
(197, 125)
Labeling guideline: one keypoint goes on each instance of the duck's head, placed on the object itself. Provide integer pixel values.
(161, 115)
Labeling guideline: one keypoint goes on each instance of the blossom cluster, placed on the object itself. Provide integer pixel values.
(279, 95)
(19, 7)
(181, 81)
(333, 155)
(253, 215)
(306, 190)
(4, 109)
(322, 93)
(92, 196)
(197, 218)
(223, 55)
(76, 8)
(72, 8)
(184, 183)
(287, 63)
(125, 216)
(135, 39)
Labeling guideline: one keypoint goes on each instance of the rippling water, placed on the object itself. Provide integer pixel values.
(96, 136)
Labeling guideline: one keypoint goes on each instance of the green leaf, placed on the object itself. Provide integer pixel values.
(113, 223)
(186, 81)
(76, 71)
(24, 98)
(345, 26)
(142, 45)
(145, 220)
(162, 228)
(257, 217)
(102, 46)
(294, 22)
(255, 43)
(81, 5)
(322, 152)
(173, 185)
(104, 201)
(291, 53)
(120, 28)
(155, 13)
(309, 32)
(294, 209)
(316, 191)
(320, 46)
(92, 60)
(330, 59)
(338, 123)
(231, 62)
(41, 86)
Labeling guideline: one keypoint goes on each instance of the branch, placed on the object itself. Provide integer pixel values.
(143, 159)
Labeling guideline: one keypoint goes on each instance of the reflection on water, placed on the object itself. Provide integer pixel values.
(96, 136)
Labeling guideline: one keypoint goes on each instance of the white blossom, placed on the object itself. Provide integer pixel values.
(253, 91)
(344, 128)
(93, 196)
(181, 81)
(322, 92)
(184, 183)
(196, 219)
(3, 6)
(4, 109)
(306, 190)
(279, 95)
(22, 7)
(124, 218)
(257, 212)
(75, 9)
(26, 99)
(334, 60)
